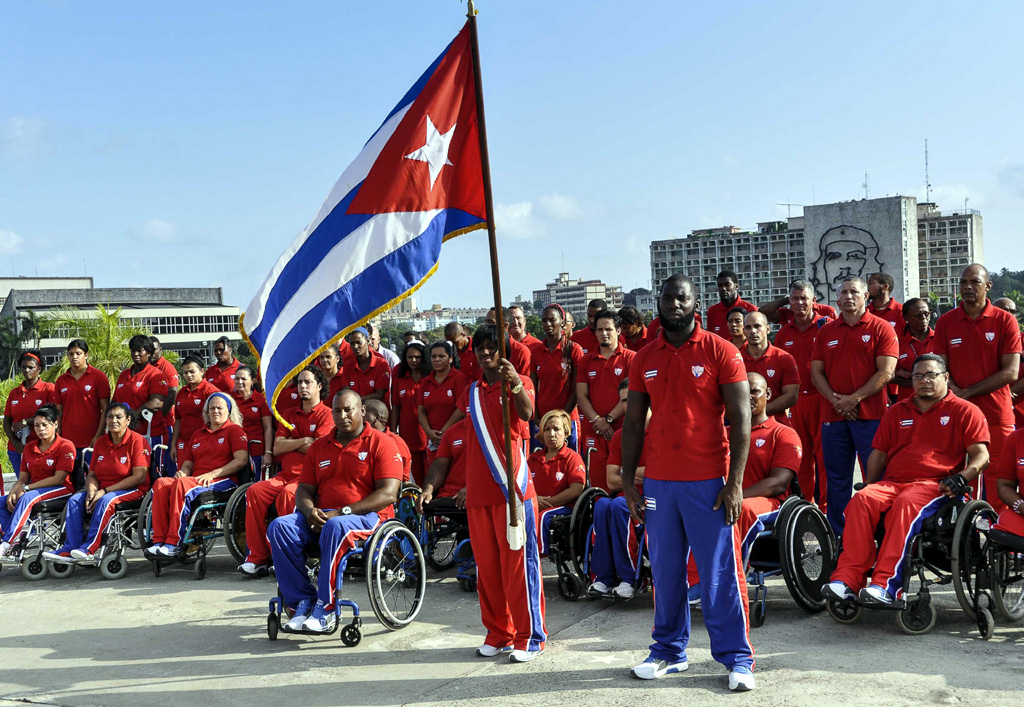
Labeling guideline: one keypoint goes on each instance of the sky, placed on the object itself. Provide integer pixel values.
(186, 144)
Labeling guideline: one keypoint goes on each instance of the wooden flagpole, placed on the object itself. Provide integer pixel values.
(485, 161)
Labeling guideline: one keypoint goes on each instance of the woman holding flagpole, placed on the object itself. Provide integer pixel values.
(509, 578)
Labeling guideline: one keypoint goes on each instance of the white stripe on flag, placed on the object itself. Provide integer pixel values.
(374, 240)
(353, 175)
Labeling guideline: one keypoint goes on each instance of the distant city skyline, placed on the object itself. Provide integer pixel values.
(168, 146)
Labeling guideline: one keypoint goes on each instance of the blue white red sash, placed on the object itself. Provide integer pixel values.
(493, 446)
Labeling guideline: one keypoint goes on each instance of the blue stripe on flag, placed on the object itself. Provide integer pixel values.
(380, 283)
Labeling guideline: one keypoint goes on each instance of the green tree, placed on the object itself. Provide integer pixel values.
(11, 345)
(533, 326)
(106, 331)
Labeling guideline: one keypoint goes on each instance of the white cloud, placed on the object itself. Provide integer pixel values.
(950, 197)
(634, 245)
(1012, 177)
(23, 139)
(156, 231)
(54, 264)
(10, 242)
(517, 221)
(559, 206)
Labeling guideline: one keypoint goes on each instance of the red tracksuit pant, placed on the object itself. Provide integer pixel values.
(805, 418)
(908, 505)
(258, 499)
(509, 582)
(987, 479)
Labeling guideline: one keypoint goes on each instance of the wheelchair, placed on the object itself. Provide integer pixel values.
(443, 533)
(121, 534)
(40, 534)
(234, 512)
(988, 569)
(392, 563)
(205, 524)
(800, 546)
(947, 550)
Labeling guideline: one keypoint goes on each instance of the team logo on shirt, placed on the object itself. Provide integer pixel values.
(834, 343)
(139, 384)
(124, 460)
(771, 372)
(99, 459)
(38, 401)
(990, 335)
(955, 342)
(312, 428)
(697, 370)
(88, 388)
(196, 401)
(195, 445)
(903, 356)
(907, 423)
(49, 462)
(120, 385)
(63, 390)
(426, 393)
(295, 396)
(650, 374)
(14, 402)
(449, 393)
(220, 440)
(255, 409)
(787, 343)
(325, 462)
(592, 374)
(373, 384)
(559, 476)
(362, 456)
(618, 371)
(892, 324)
(944, 420)
(865, 338)
(457, 443)
(759, 443)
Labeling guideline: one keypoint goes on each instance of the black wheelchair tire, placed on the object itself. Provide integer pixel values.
(806, 590)
(234, 524)
(965, 556)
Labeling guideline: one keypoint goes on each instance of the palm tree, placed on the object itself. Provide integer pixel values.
(106, 332)
(11, 344)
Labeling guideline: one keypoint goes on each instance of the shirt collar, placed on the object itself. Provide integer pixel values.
(363, 434)
(696, 337)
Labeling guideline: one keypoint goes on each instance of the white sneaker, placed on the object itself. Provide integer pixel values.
(170, 550)
(153, 550)
(875, 595)
(54, 556)
(301, 614)
(838, 591)
(487, 651)
(652, 668)
(321, 620)
(624, 591)
(5, 547)
(82, 555)
(252, 569)
(741, 679)
(524, 656)
(599, 588)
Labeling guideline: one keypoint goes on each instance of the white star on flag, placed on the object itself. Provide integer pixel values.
(435, 152)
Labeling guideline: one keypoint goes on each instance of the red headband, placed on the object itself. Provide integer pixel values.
(32, 355)
(558, 307)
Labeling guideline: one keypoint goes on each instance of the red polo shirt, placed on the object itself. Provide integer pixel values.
(800, 345)
(112, 463)
(554, 384)
(587, 340)
(778, 368)
(343, 475)
(892, 313)
(136, 389)
(40, 465)
(481, 488)
(615, 451)
(551, 477)
(772, 446)
(910, 349)
(404, 396)
(80, 404)
(23, 402)
(519, 357)
(377, 376)
(849, 354)
(441, 399)
(529, 341)
(338, 382)
(253, 410)
(213, 449)
(222, 378)
(603, 376)
(316, 423)
(718, 313)
(635, 343)
(929, 445)
(403, 452)
(173, 381)
(1010, 464)
(820, 310)
(686, 439)
(973, 348)
(453, 448)
(188, 408)
(288, 399)
(468, 364)
(654, 327)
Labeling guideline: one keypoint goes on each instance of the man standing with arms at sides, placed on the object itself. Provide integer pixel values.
(881, 303)
(517, 327)
(729, 298)
(777, 367)
(1017, 389)
(390, 356)
(981, 346)
(597, 393)
(587, 338)
(854, 357)
(693, 484)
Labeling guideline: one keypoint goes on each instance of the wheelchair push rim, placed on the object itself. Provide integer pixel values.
(968, 552)
(1008, 582)
(808, 551)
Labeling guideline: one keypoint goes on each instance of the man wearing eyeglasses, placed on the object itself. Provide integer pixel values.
(222, 373)
(917, 461)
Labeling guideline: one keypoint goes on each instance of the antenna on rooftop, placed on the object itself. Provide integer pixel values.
(927, 182)
(789, 207)
(867, 186)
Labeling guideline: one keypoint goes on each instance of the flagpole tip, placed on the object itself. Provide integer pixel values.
(471, 9)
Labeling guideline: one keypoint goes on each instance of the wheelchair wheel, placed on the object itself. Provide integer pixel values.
(351, 635)
(569, 587)
(844, 612)
(968, 551)
(144, 524)
(757, 615)
(1008, 583)
(114, 566)
(467, 584)
(273, 626)
(580, 523)
(34, 568)
(392, 556)
(918, 618)
(61, 570)
(807, 549)
(199, 569)
(442, 539)
(234, 524)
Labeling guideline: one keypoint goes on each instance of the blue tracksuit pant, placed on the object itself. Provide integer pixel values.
(680, 521)
(289, 535)
(616, 546)
(841, 443)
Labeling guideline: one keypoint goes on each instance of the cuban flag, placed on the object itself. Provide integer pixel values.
(377, 236)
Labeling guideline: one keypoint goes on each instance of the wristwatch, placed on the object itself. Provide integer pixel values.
(346, 511)
(609, 419)
(518, 389)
